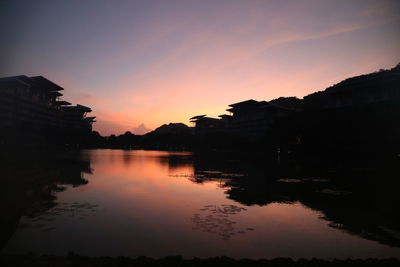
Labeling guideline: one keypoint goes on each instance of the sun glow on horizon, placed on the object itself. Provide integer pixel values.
(139, 65)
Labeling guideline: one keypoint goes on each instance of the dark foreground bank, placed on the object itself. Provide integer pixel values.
(76, 260)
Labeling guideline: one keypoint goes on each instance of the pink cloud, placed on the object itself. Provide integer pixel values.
(213, 66)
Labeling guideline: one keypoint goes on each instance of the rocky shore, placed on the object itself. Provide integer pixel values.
(77, 260)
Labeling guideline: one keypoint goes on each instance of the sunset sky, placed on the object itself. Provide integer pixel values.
(140, 64)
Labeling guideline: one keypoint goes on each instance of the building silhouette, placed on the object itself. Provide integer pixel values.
(248, 118)
(206, 125)
(75, 117)
(253, 118)
(34, 105)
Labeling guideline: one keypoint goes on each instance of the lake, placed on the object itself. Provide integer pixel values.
(158, 203)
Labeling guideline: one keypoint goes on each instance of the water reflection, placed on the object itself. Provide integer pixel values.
(218, 219)
(44, 220)
(168, 203)
(29, 189)
(358, 200)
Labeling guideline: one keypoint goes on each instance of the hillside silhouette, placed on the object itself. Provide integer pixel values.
(354, 116)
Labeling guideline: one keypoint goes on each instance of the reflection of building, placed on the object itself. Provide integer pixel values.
(347, 206)
(32, 189)
(206, 125)
(35, 102)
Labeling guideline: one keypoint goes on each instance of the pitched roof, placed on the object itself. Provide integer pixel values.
(249, 102)
(49, 85)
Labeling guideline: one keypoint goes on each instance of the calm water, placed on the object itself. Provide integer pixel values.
(153, 203)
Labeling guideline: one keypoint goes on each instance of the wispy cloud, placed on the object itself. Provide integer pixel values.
(136, 63)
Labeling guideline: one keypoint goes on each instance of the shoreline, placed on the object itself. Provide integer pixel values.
(77, 260)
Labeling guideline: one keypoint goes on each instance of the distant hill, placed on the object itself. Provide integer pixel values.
(369, 88)
(287, 102)
(171, 129)
(172, 136)
(371, 81)
(375, 87)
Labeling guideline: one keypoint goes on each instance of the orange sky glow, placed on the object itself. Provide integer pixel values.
(140, 64)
